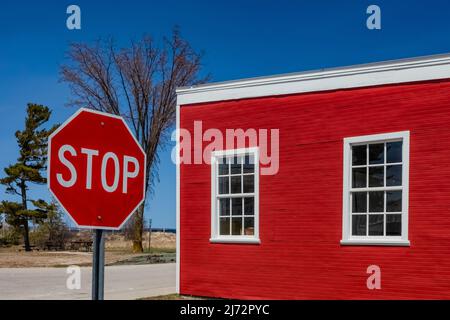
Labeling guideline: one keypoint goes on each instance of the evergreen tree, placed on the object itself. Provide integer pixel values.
(28, 169)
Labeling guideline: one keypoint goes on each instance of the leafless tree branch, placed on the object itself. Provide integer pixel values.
(137, 83)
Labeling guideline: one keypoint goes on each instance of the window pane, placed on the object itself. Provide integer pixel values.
(249, 164)
(376, 201)
(376, 153)
(394, 225)
(223, 166)
(249, 228)
(249, 206)
(249, 184)
(394, 152)
(359, 177)
(393, 201)
(236, 206)
(236, 165)
(359, 155)
(376, 224)
(394, 175)
(236, 184)
(236, 226)
(223, 185)
(376, 176)
(224, 207)
(359, 202)
(224, 226)
(359, 225)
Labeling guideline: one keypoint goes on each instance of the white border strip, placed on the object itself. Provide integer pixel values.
(389, 72)
(178, 230)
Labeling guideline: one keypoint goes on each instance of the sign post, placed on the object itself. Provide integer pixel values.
(149, 235)
(98, 266)
(96, 171)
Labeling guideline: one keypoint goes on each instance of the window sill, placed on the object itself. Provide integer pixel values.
(242, 240)
(368, 242)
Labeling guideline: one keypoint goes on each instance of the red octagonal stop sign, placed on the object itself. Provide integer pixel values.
(96, 169)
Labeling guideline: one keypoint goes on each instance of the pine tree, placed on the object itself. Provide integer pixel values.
(28, 169)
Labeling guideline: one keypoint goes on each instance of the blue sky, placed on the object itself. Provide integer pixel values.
(240, 39)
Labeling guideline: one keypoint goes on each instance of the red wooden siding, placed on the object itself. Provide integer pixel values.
(300, 256)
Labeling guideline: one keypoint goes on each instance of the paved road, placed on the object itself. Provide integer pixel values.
(121, 282)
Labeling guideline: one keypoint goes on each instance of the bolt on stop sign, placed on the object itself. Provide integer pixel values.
(96, 169)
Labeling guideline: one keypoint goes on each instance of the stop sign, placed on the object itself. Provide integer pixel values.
(96, 169)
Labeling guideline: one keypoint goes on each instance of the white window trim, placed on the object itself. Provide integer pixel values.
(215, 237)
(347, 238)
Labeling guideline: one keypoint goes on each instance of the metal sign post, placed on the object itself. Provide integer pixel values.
(98, 265)
(149, 235)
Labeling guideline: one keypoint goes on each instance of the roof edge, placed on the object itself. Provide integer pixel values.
(386, 72)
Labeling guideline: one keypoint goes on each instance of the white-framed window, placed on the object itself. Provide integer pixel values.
(235, 196)
(375, 193)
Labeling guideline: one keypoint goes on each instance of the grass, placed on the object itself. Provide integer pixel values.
(160, 250)
(147, 258)
(154, 250)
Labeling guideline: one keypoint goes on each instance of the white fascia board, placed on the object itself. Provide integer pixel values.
(389, 72)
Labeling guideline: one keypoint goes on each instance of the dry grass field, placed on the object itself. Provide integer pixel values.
(117, 251)
(160, 240)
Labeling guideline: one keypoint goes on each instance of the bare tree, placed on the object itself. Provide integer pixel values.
(139, 84)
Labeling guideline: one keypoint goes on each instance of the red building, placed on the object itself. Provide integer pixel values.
(357, 178)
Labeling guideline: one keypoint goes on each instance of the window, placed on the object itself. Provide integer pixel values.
(375, 199)
(234, 203)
